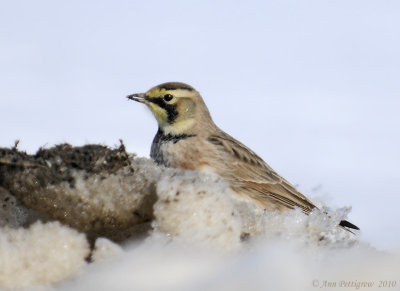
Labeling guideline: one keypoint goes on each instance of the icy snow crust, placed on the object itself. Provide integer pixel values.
(161, 229)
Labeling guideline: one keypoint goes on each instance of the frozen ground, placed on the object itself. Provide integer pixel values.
(202, 238)
(269, 265)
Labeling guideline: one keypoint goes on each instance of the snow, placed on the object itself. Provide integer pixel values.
(267, 265)
(40, 255)
(202, 237)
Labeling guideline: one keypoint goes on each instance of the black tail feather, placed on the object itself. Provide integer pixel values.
(347, 224)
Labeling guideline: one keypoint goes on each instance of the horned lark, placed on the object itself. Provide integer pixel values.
(187, 138)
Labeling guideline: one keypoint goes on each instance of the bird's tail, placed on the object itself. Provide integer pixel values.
(347, 225)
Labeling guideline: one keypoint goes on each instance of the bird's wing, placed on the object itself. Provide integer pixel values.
(249, 174)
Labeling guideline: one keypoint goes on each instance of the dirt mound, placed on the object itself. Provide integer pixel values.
(92, 188)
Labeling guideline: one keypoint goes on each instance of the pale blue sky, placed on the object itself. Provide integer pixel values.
(312, 86)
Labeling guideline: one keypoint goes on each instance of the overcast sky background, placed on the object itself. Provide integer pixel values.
(312, 86)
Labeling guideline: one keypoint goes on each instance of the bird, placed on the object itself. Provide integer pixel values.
(187, 138)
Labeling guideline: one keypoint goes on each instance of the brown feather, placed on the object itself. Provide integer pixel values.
(248, 173)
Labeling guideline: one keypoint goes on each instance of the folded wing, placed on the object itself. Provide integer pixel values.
(249, 175)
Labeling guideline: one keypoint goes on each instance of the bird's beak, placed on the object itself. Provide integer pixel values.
(139, 97)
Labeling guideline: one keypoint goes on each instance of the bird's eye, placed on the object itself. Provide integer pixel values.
(168, 97)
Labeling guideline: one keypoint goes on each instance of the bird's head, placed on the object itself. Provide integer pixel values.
(177, 107)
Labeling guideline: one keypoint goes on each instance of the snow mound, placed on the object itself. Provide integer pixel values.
(197, 208)
(270, 264)
(40, 255)
(170, 230)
